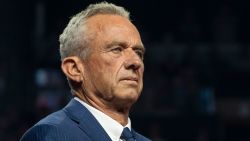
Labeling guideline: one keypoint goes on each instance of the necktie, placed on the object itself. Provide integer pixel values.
(127, 135)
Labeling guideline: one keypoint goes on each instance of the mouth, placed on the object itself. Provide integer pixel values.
(130, 80)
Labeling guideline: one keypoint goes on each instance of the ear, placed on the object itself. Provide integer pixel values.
(73, 68)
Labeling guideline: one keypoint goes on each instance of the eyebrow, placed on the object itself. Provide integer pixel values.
(124, 44)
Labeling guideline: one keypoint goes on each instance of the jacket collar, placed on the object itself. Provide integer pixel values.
(86, 121)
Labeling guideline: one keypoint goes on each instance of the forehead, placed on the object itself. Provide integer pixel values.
(107, 19)
(109, 28)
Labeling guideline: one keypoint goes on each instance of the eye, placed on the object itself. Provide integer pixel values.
(139, 53)
(117, 49)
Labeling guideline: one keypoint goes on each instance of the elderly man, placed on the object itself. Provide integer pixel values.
(102, 57)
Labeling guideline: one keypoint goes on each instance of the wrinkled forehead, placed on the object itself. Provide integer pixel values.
(110, 27)
(103, 22)
(107, 19)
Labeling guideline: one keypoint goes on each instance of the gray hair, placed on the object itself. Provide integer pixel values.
(73, 42)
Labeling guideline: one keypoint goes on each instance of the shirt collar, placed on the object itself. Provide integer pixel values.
(112, 127)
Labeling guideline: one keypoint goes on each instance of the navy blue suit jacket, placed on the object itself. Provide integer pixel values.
(73, 123)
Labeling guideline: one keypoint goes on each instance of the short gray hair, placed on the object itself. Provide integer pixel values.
(73, 42)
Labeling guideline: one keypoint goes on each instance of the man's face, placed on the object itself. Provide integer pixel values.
(113, 71)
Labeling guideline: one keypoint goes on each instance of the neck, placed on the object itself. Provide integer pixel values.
(119, 113)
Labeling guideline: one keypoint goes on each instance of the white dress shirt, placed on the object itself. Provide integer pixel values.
(112, 127)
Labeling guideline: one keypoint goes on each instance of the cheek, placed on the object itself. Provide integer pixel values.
(109, 71)
(141, 71)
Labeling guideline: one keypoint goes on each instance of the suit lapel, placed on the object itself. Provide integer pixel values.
(86, 121)
(138, 137)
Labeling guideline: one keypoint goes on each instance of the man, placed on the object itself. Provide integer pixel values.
(102, 57)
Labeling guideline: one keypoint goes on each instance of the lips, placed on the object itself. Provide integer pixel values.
(129, 78)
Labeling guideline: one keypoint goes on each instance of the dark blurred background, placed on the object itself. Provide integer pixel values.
(196, 77)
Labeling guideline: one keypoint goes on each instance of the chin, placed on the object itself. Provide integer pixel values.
(131, 97)
(127, 94)
(125, 103)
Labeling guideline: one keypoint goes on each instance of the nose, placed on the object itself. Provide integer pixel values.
(133, 61)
